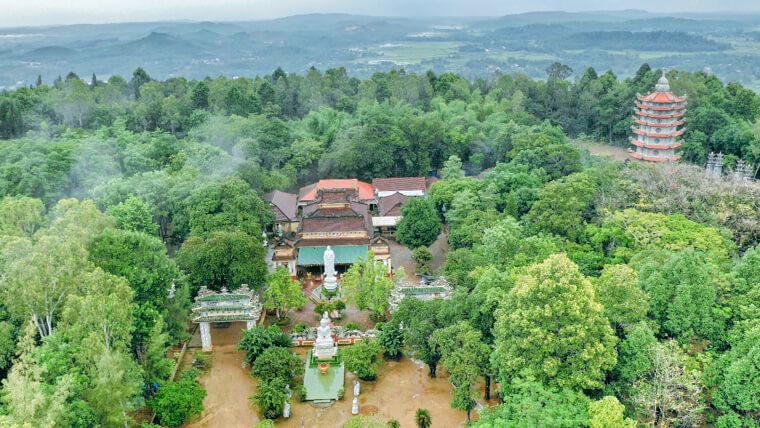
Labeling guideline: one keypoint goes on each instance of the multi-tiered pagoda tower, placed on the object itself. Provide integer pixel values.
(658, 118)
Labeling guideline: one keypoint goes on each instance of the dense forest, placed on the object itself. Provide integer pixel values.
(595, 293)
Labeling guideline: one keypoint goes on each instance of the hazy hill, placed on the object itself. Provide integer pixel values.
(725, 44)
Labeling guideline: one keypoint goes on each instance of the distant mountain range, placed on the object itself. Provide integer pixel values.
(727, 45)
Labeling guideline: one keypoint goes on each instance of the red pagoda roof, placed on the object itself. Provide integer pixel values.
(655, 146)
(642, 106)
(659, 116)
(652, 158)
(674, 134)
(661, 125)
(661, 98)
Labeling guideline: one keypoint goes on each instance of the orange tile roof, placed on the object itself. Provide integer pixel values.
(309, 193)
(661, 97)
(642, 106)
(655, 146)
(655, 159)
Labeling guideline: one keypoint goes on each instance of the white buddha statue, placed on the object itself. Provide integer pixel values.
(331, 282)
(325, 347)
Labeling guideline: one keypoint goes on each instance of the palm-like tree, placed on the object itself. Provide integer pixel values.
(423, 419)
(393, 423)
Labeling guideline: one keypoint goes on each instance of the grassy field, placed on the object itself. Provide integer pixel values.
(409, 52)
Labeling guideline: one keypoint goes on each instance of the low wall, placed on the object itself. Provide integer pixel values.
(341, 341)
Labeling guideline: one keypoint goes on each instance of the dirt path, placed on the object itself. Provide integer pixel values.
(402, 256)
(228, 385)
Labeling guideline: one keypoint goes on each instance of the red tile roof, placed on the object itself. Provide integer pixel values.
(398, 184)
(331, 241)
(333, 224)
(391, 204)
(655, 159)
(309, 193)
(284, 205)
(655, 146)
(661, 97)
(642, 106)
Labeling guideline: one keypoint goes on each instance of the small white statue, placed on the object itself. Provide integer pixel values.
(286, 410)
(355, 406)
(357, 387)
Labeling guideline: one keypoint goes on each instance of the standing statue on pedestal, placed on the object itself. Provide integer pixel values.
(331, 282)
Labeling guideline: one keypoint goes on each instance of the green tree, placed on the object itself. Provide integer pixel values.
(465, 357)
(362, 359)
(224, 259)
(134, 215)
(608, 413)
(563, 206)
(623, 301)
(27, 400)
(156, 367)
(119, 251)
(39, 276)
(271, 397)
(422, 256)
(421, 320)
(502, 241)
(452, 168)
(550, 326)
(21, 216)
(176, 402)
(277, 362)
(11, 119)
(199, 96)
(115, 388)
(259, 338)
(101, 316)
(529, 403)
(228, 205)
(366, 284)
(283, 293)
(419, 225)
(177, 314)
(391, 338)
(737, 375)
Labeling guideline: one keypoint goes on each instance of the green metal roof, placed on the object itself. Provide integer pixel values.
(344, 254)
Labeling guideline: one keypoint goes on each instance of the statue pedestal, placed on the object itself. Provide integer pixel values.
(330, 285)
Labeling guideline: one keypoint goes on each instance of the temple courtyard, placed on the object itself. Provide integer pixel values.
(400, 389)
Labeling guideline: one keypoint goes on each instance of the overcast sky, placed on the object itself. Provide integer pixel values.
(43, 12)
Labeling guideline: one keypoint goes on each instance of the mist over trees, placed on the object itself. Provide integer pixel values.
(643, 276)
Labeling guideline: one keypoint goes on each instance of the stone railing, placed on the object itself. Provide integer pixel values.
(343, 336)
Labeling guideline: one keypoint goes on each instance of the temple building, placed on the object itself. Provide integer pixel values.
(348, 215)
(407, 186)
(658, 118)
(284, 206)
(389, 214)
